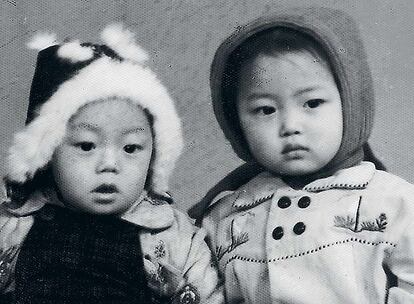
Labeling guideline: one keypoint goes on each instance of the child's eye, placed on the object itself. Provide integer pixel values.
(85, 146)
(265, 110)
(132, 148)
(313, 103)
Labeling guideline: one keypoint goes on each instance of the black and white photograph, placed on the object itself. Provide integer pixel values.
(217, 151)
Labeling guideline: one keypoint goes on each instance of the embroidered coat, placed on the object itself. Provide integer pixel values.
(348, 238)
(177, 260)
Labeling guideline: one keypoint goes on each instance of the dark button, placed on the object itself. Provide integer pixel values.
(299, 228)
(277, 233)
(284, 202)
(304, 202)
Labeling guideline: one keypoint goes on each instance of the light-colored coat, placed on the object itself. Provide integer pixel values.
(348, 238)
(176, 258)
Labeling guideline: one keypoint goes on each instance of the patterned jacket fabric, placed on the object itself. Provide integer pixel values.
(175, 258)
(347, 238)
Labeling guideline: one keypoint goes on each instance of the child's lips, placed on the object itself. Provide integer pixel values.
(106, 189)
(293, 148)
(105, 193)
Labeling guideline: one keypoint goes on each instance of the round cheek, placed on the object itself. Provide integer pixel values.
(335, 128)
(247, 127)
(261, 139)
(136, 172)
(69, 173)
(135, 175)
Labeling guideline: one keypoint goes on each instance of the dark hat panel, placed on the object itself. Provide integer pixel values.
(53, 70)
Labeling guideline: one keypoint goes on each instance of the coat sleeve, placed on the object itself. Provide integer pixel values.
(401, 264)
(13, 230)
(180, 264)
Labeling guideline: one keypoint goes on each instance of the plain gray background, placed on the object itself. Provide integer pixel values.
(182, 36)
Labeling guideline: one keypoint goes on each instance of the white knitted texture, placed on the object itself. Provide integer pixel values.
(33, 147)
(122, 41)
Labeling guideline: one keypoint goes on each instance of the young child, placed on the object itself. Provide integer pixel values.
(293, 94)
(88, 218)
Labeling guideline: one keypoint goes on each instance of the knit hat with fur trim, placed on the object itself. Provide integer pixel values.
(72, 74)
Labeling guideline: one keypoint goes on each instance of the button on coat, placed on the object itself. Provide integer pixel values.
(357, 223)
(304, 202)
(277, 233)
(284, 202)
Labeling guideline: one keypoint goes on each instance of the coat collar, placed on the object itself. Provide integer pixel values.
(357, 177)
(262, 187)
(147, 212)
(150, 213)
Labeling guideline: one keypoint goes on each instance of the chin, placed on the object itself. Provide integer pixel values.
(298, 170)
(100, 209)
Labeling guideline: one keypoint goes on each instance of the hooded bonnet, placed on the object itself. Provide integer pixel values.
(338, 35)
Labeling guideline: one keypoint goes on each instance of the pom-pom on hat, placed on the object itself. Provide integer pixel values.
(72, 74)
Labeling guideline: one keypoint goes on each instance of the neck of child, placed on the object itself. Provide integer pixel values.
(297, 182)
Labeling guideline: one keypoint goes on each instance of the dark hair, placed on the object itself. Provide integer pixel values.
(272, 42)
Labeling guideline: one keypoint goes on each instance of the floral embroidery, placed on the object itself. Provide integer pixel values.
(238, 236)
(345, 222)
(156, 275)
(154, 272)
(379, 224)
(188, 295)
(159, 249)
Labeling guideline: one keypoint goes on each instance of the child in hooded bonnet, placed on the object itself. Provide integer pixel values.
(88, 218)
(317, 224)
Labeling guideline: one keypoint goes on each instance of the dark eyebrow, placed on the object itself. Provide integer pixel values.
(306, 90)
(260, 95)
(133, 130)
(85, 125)
(94, 128)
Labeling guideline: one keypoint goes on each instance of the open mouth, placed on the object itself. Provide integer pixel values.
(106, 189)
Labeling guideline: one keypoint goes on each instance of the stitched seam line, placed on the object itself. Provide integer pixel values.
(256, 202)
(356, 240)
(311, 189)
(336, 186)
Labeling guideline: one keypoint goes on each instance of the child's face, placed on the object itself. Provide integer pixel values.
(102, 164)
(290, 112)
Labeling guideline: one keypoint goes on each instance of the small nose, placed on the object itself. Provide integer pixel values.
(108, 161)
(290, 123)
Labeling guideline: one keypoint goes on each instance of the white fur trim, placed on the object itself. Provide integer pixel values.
(41, 41)
(33, 147)
(122, 41)
(75, 52)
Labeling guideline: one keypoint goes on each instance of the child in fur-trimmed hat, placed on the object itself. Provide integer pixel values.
(88, 218)
(314, 221)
